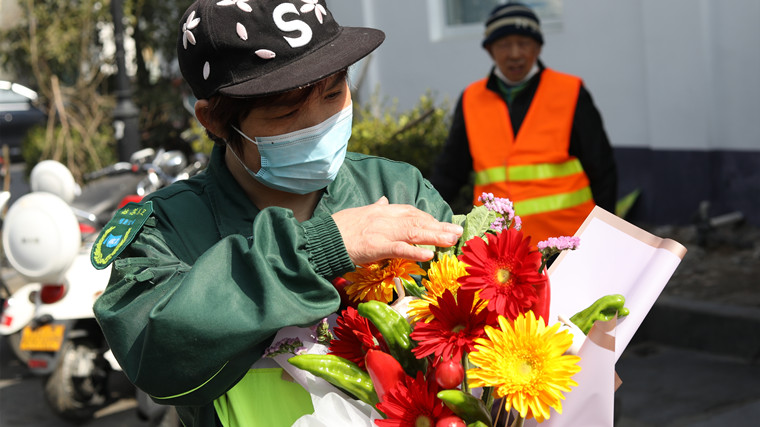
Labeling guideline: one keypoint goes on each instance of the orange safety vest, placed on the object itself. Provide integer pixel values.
(548, 187)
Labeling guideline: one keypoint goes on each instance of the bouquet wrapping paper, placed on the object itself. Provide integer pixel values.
(614, 257)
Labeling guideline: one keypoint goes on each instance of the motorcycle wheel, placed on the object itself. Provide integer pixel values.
(77, 387)
(14, 340)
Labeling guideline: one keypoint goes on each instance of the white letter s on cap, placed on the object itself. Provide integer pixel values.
(289, 26)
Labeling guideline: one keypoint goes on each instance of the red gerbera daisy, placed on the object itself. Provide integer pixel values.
(505, 269)
(412, 403)
(354, 336)
(456, 324)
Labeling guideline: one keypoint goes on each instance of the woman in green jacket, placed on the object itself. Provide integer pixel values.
(207, 270)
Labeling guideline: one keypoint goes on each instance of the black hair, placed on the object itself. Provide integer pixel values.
(231, 111)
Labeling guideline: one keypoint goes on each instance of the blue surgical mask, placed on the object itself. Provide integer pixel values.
(305, 160)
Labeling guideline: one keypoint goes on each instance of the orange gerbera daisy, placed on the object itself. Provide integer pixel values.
(441, 276)
(375, 281)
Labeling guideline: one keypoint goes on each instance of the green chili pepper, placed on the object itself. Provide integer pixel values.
(477, 424)
(339, 372)
(395, 331)
(466, 406)
(602, 309)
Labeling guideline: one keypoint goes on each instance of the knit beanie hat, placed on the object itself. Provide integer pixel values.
(512, 18)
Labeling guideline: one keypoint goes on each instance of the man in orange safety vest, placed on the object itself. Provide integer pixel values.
(529, 133)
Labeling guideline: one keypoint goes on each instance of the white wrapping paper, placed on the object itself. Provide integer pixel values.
(591, 403)
(614, 257)
(332, 407)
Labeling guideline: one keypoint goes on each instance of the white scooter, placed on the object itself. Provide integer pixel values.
(60, 338)
(47, 240)
(19, 309)
(16, 308)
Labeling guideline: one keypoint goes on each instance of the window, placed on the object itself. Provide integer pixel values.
(463, 12)
(464, 18)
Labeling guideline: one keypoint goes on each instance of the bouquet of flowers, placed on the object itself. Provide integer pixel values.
(460, 341)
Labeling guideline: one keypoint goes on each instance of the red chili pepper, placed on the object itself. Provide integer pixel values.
(541, 306)
(385, 371)
(340, 284)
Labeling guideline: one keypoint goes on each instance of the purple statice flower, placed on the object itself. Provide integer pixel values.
(502, 206)
(559, 243)
(288, 345)
(517, 223)
(321, 332)
(498, 225)
(555, 245)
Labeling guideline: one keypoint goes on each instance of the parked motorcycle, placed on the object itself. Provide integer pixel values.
(19, 308)
(5, 290)
(48, 239)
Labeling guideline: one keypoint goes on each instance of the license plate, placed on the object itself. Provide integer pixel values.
(44, 338)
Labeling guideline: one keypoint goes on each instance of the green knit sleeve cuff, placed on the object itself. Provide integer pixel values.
(325, 245)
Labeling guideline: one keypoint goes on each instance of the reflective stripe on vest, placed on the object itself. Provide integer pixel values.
(528, 172)
(552, 203)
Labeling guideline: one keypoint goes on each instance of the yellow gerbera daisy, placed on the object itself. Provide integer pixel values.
(441, 276)
(525, 363)
(375, 281)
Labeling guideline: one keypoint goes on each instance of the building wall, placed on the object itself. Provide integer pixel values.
(676, 83)
(9, 14)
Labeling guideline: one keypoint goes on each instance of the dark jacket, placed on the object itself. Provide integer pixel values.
(588, 142)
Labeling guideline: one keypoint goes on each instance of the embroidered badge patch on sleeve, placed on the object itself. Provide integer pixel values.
(119, 232)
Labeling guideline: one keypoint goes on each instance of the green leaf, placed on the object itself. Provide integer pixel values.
(412, 288)
(624, 205)
(476, 223)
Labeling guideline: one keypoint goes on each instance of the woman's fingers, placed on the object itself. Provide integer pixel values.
(381, 230)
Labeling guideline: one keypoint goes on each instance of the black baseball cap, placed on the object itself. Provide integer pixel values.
(247, 48)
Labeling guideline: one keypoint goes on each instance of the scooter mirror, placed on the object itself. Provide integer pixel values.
(142, 156)
(53, 177)
(171, 162)
(41, 237)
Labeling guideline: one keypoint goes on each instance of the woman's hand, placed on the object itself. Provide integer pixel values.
(381, 231)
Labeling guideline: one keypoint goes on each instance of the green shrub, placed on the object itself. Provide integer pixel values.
(199, 139)
(416, 136)
(80, 155)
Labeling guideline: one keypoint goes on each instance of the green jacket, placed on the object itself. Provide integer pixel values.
(195, 298)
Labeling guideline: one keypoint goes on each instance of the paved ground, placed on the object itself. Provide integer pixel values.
(722, 264)
(22, 403)
(674, 387)
(695, 359)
